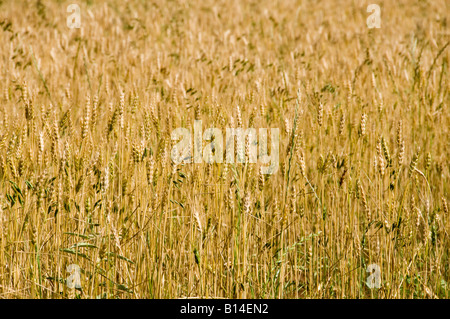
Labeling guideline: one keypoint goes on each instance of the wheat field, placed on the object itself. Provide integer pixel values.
(92, 205)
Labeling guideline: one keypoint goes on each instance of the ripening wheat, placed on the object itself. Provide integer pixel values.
(86, 170)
